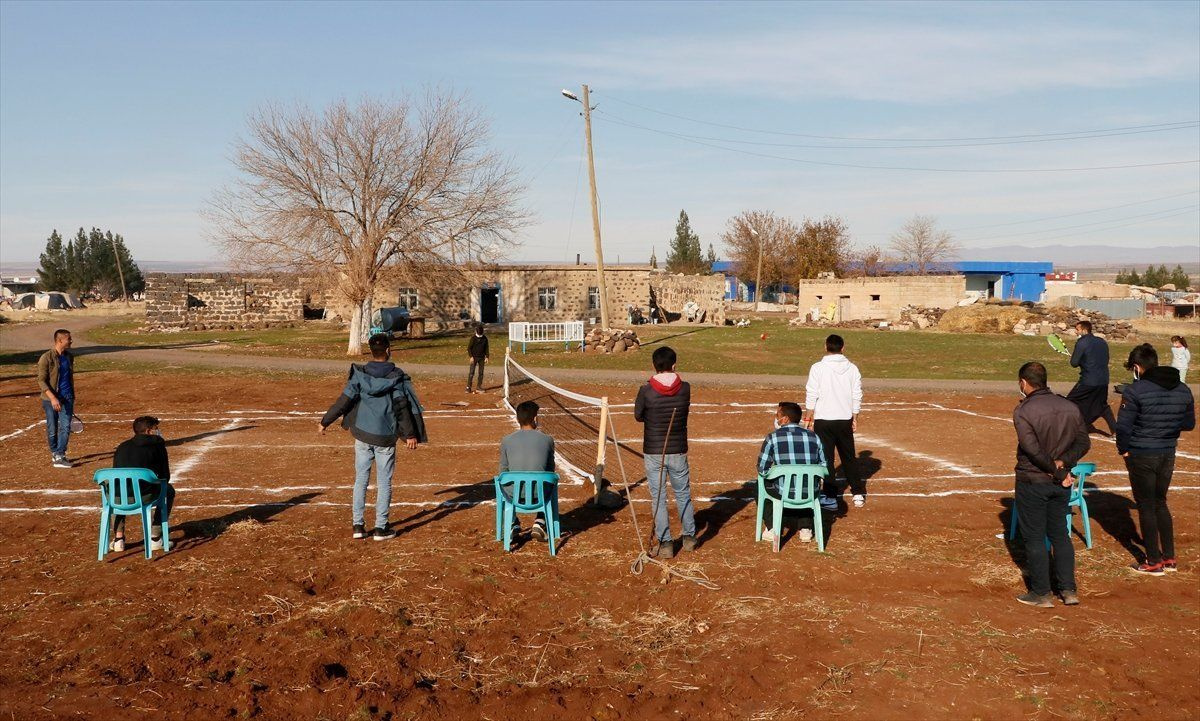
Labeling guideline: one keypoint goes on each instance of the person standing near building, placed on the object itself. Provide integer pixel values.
(1051, 438)
(1155, 409)
(833, 399)
(56, 379)
(1090, 356)
(1181, 357)
(478, 354)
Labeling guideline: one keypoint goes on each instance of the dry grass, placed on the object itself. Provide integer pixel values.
(982, 318)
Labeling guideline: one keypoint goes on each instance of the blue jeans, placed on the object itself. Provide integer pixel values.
(365, 455)
(679, 476)
(58, 426)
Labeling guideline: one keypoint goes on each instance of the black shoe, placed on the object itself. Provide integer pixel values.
(688, 543)
(538, 532)
(360, 531)
(383, 534)
(1033, 599)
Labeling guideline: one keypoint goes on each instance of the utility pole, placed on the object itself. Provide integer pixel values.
(120, 271)
(758, 279)
(587, 127)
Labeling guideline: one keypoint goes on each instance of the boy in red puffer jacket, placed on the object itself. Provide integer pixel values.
(662, 407)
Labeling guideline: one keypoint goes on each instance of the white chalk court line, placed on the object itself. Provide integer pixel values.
(19, 431)
(180, 471)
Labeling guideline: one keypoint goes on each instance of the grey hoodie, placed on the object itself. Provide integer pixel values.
(378, 406)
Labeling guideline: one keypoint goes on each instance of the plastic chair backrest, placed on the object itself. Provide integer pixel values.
(1081, 471)
(798, 483)
(528, 488)
(121, 487)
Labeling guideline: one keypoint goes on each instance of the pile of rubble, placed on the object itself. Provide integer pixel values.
(611, 341)
(1055, 319)
(917, 317)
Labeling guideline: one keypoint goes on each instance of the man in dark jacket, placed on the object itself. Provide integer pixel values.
(1155, 409)
(662, 407)
(377, 406)
(1051, 438)
(477, 352)
(145, 450)
(56, 381)
(1091, 392)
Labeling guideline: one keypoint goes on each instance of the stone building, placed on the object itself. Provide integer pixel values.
(879, 298)
(223, 300)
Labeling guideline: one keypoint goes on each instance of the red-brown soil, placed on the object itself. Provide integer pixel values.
(266, 608)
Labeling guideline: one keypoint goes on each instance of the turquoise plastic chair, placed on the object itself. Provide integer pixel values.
(1081, 471)
(798, 488)
(121, 495)
(528, 492)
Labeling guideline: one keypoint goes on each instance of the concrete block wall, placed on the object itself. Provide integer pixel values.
(674, 291)
(222, 300)
(880, 298)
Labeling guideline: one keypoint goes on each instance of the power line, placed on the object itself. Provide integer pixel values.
(884, 140)
(803, 161)
(1085, 225)
(1078, 136)
(1115, 227)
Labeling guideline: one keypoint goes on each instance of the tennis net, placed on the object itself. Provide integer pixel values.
(578, 423)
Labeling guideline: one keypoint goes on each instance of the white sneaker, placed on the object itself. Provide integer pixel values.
(117, 546)
(155, 544)
(768, 535)
(860, 500)
(62, 462)
(806, 535)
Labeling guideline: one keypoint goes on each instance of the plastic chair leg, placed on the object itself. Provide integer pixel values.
(1087, 523)
(777, 519)
(499, 514)
(758, 528)
(105, 521)
(508, 521)
(819, 526)
(147, 527)
(166, 531)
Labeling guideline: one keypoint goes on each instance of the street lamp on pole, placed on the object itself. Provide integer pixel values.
(587, 129)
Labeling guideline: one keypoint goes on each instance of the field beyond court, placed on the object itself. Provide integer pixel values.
(265, 608)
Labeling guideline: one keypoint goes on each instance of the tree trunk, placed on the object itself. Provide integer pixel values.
(365, 324)
(354, 343)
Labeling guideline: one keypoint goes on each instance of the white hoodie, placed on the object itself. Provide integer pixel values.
(834, 389)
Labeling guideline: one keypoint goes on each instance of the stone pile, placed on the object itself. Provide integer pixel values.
(1056, 319)
(921, 318)
(612, 341)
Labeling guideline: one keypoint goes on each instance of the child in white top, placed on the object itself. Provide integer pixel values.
(1181, 357)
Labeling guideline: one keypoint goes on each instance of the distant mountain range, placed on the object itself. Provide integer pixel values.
(1089, 256)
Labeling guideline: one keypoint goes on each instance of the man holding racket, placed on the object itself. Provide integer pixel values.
(1091, 392)
(662, 408)
(56, 379)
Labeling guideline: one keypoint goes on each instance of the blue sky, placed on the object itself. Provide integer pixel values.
(122, 115)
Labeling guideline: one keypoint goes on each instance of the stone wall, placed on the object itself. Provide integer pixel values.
(672, 292)
(1056, 292)
(222, 300)
(878, 298)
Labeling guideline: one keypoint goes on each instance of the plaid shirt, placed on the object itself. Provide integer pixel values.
(790, 444)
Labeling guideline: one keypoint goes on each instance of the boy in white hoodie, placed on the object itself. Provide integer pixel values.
(833, 399)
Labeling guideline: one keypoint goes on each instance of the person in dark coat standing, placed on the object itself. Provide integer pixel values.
(1051, 438)
(662, 408)
(1155, 409)
(478, 354)
(1091, 392)
(145, 450)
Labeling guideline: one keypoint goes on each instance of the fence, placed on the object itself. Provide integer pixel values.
(1115, 308)
(565, 333)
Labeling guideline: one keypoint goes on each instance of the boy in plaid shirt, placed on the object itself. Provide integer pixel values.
(790, 443)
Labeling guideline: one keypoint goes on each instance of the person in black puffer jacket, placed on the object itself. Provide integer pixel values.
(662, 407)
(1155, 409)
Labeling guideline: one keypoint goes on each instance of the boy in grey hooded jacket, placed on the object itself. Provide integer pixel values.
(378, 407)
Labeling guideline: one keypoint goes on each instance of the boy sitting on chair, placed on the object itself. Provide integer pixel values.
(528, 449)
(145, 450)
(789, 444)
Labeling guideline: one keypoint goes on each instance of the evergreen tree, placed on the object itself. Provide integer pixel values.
(1121, 278)
(684, 255)
(653, 258)
(1180, 279)
(52, 274)
(711, 259)
(1133, 278)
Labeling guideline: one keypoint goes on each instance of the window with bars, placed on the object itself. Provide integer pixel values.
(410, 299)
(593, 298)
(547, 298)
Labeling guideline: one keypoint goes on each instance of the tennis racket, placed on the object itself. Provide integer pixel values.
(76, 424)
(1057, 344)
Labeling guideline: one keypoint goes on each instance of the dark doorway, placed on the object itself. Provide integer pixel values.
(991, 291)
(489, 305)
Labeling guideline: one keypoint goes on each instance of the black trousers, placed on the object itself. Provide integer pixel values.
(149, 493)
(839, 435)
(1150, 477)
(1093, 404)
(1042, 514)
(476, 369)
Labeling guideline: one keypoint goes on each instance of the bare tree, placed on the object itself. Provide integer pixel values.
(359, 187)
(869, 262)
(922, 246)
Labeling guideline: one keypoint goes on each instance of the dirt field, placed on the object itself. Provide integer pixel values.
(266, 608)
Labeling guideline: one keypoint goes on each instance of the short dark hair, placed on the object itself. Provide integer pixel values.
(1142, 355)
(60, 333)
(791, 409)
(1085, 324)
(1034, 374)
(526, 412)
(664, 358)
(141, 424)
(379, 345)
(834, 344)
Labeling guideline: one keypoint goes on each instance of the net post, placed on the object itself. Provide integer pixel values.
(598, 476)
(507, 353)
